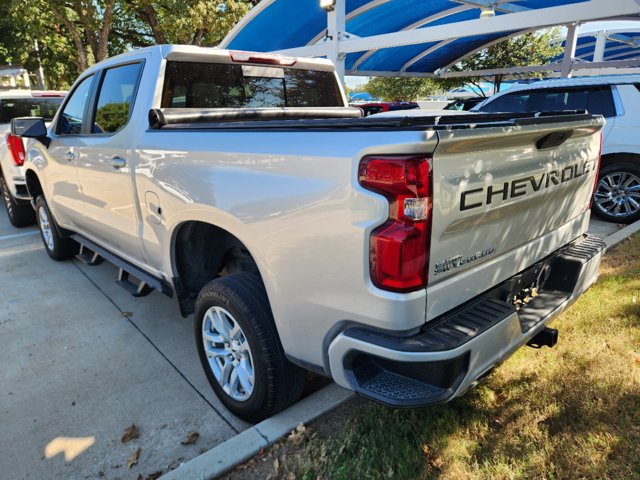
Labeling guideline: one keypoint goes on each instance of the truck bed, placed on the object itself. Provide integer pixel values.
(333, 119)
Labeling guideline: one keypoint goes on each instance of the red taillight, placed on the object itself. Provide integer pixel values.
(399, 248)
(16, 148)
(595, 182)
(250, 57)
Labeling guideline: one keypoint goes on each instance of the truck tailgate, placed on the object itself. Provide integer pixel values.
(505, 197)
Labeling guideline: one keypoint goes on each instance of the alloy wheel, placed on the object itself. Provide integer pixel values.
(45, 228)
(228, 353)
(618, 194)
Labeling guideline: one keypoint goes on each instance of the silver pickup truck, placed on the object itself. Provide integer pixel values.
(403, 257)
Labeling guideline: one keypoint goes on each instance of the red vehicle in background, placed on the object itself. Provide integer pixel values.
(379, 107)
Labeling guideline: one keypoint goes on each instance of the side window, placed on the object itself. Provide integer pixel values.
(70, 122)
(518, 102)
(559, 100)
(115, 98)
(601, 103)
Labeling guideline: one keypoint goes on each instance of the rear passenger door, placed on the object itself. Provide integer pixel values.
(104, 166)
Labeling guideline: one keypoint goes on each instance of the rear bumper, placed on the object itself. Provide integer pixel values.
(14, 178)
(454, 352)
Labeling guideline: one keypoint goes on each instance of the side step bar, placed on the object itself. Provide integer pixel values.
(88, 256)
(147, 283)
(142, 289)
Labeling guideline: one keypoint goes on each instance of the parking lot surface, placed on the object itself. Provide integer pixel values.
(82, 360)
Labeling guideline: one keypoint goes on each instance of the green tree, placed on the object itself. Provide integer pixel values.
(536, 48)
(195, 22)
(73, 34)
(87, 23)
(21, 24)
(403, 89)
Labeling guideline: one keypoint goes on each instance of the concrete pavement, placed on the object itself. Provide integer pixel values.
(81, 361)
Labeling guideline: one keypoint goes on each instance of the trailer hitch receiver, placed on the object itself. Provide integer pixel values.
(547, 337)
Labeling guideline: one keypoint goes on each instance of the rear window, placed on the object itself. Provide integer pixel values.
(212, 85)
(28, 107)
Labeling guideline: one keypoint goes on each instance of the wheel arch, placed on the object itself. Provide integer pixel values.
(34, 187)
(618, 157)
(201, 252)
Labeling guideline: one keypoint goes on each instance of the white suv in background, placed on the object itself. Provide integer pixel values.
(617, 98)
(20, 103)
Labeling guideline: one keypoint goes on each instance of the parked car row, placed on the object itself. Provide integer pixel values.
(20, 103)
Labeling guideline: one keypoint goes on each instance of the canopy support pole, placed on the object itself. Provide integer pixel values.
(336, 24)
(601, 42)
(569, 51)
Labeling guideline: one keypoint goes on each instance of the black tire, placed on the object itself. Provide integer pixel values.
(613, 182)
(277, 382)
(56, 246)
(20, 214)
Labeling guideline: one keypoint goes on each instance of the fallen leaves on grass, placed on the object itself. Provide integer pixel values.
(297, 436)
(130, 433)
(192, 438)
(133, 459)
(434, 464)
(426, 451)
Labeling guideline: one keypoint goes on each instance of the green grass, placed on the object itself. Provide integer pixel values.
(564, 413)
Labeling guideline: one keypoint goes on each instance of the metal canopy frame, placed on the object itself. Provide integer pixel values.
(335, 42)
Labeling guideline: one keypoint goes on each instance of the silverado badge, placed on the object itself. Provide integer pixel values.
(459, 260)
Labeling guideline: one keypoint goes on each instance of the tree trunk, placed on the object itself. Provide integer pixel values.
(103, 34)
(498, 83)
(88, 16)
(81, 54)
(148, 15)
(197, 37)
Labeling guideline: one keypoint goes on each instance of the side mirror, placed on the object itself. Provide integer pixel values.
(29, 127)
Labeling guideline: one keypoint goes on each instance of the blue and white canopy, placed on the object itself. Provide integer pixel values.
(406, 37)
(608, 46)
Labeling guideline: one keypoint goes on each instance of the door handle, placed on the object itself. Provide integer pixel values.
(118, 163)
(69, 156)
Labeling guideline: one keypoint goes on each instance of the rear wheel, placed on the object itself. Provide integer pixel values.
(57, 247)
(240, 349)
(20, 214)
(617, 195)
